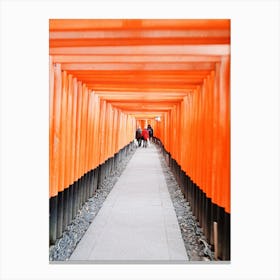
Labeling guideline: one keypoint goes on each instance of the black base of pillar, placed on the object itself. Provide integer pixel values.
(220, 221)
(70, 211)
(91, 180)
(52, 219)
(227, 236)
(60, 200)
(208, 220)
(65, 208)
(95, 180)
(75, 199)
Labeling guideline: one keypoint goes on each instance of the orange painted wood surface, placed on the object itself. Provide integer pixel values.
(82, 130)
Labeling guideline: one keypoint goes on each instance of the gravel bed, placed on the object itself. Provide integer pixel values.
(64, 246)
(194, 240)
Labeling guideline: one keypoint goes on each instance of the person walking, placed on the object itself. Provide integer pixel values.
(151, 132)
(145, 137)
(138, 135)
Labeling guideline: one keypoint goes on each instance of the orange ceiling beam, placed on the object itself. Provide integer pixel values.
(142, 111)
(133, 58)
(136, 24)
(149, 102)
(135, 105)
(144, 50)
(131, 99)
(121, 34)
(137, 41)
(139, 73)
(145, 89)
(135, 77)
(169, 66)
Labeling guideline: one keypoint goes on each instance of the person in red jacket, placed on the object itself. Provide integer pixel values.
(145, 136)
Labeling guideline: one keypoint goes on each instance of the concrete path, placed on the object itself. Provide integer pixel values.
(137, 222)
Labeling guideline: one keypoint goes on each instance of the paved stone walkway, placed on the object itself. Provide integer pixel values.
(137, 222)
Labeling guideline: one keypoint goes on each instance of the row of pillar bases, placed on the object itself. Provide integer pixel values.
(213, 219)
(65, 205)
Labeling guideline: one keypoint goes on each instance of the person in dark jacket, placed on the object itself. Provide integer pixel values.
(151, 133)
(138, 135)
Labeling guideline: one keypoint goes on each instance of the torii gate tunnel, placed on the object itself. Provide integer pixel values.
(107, 77)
